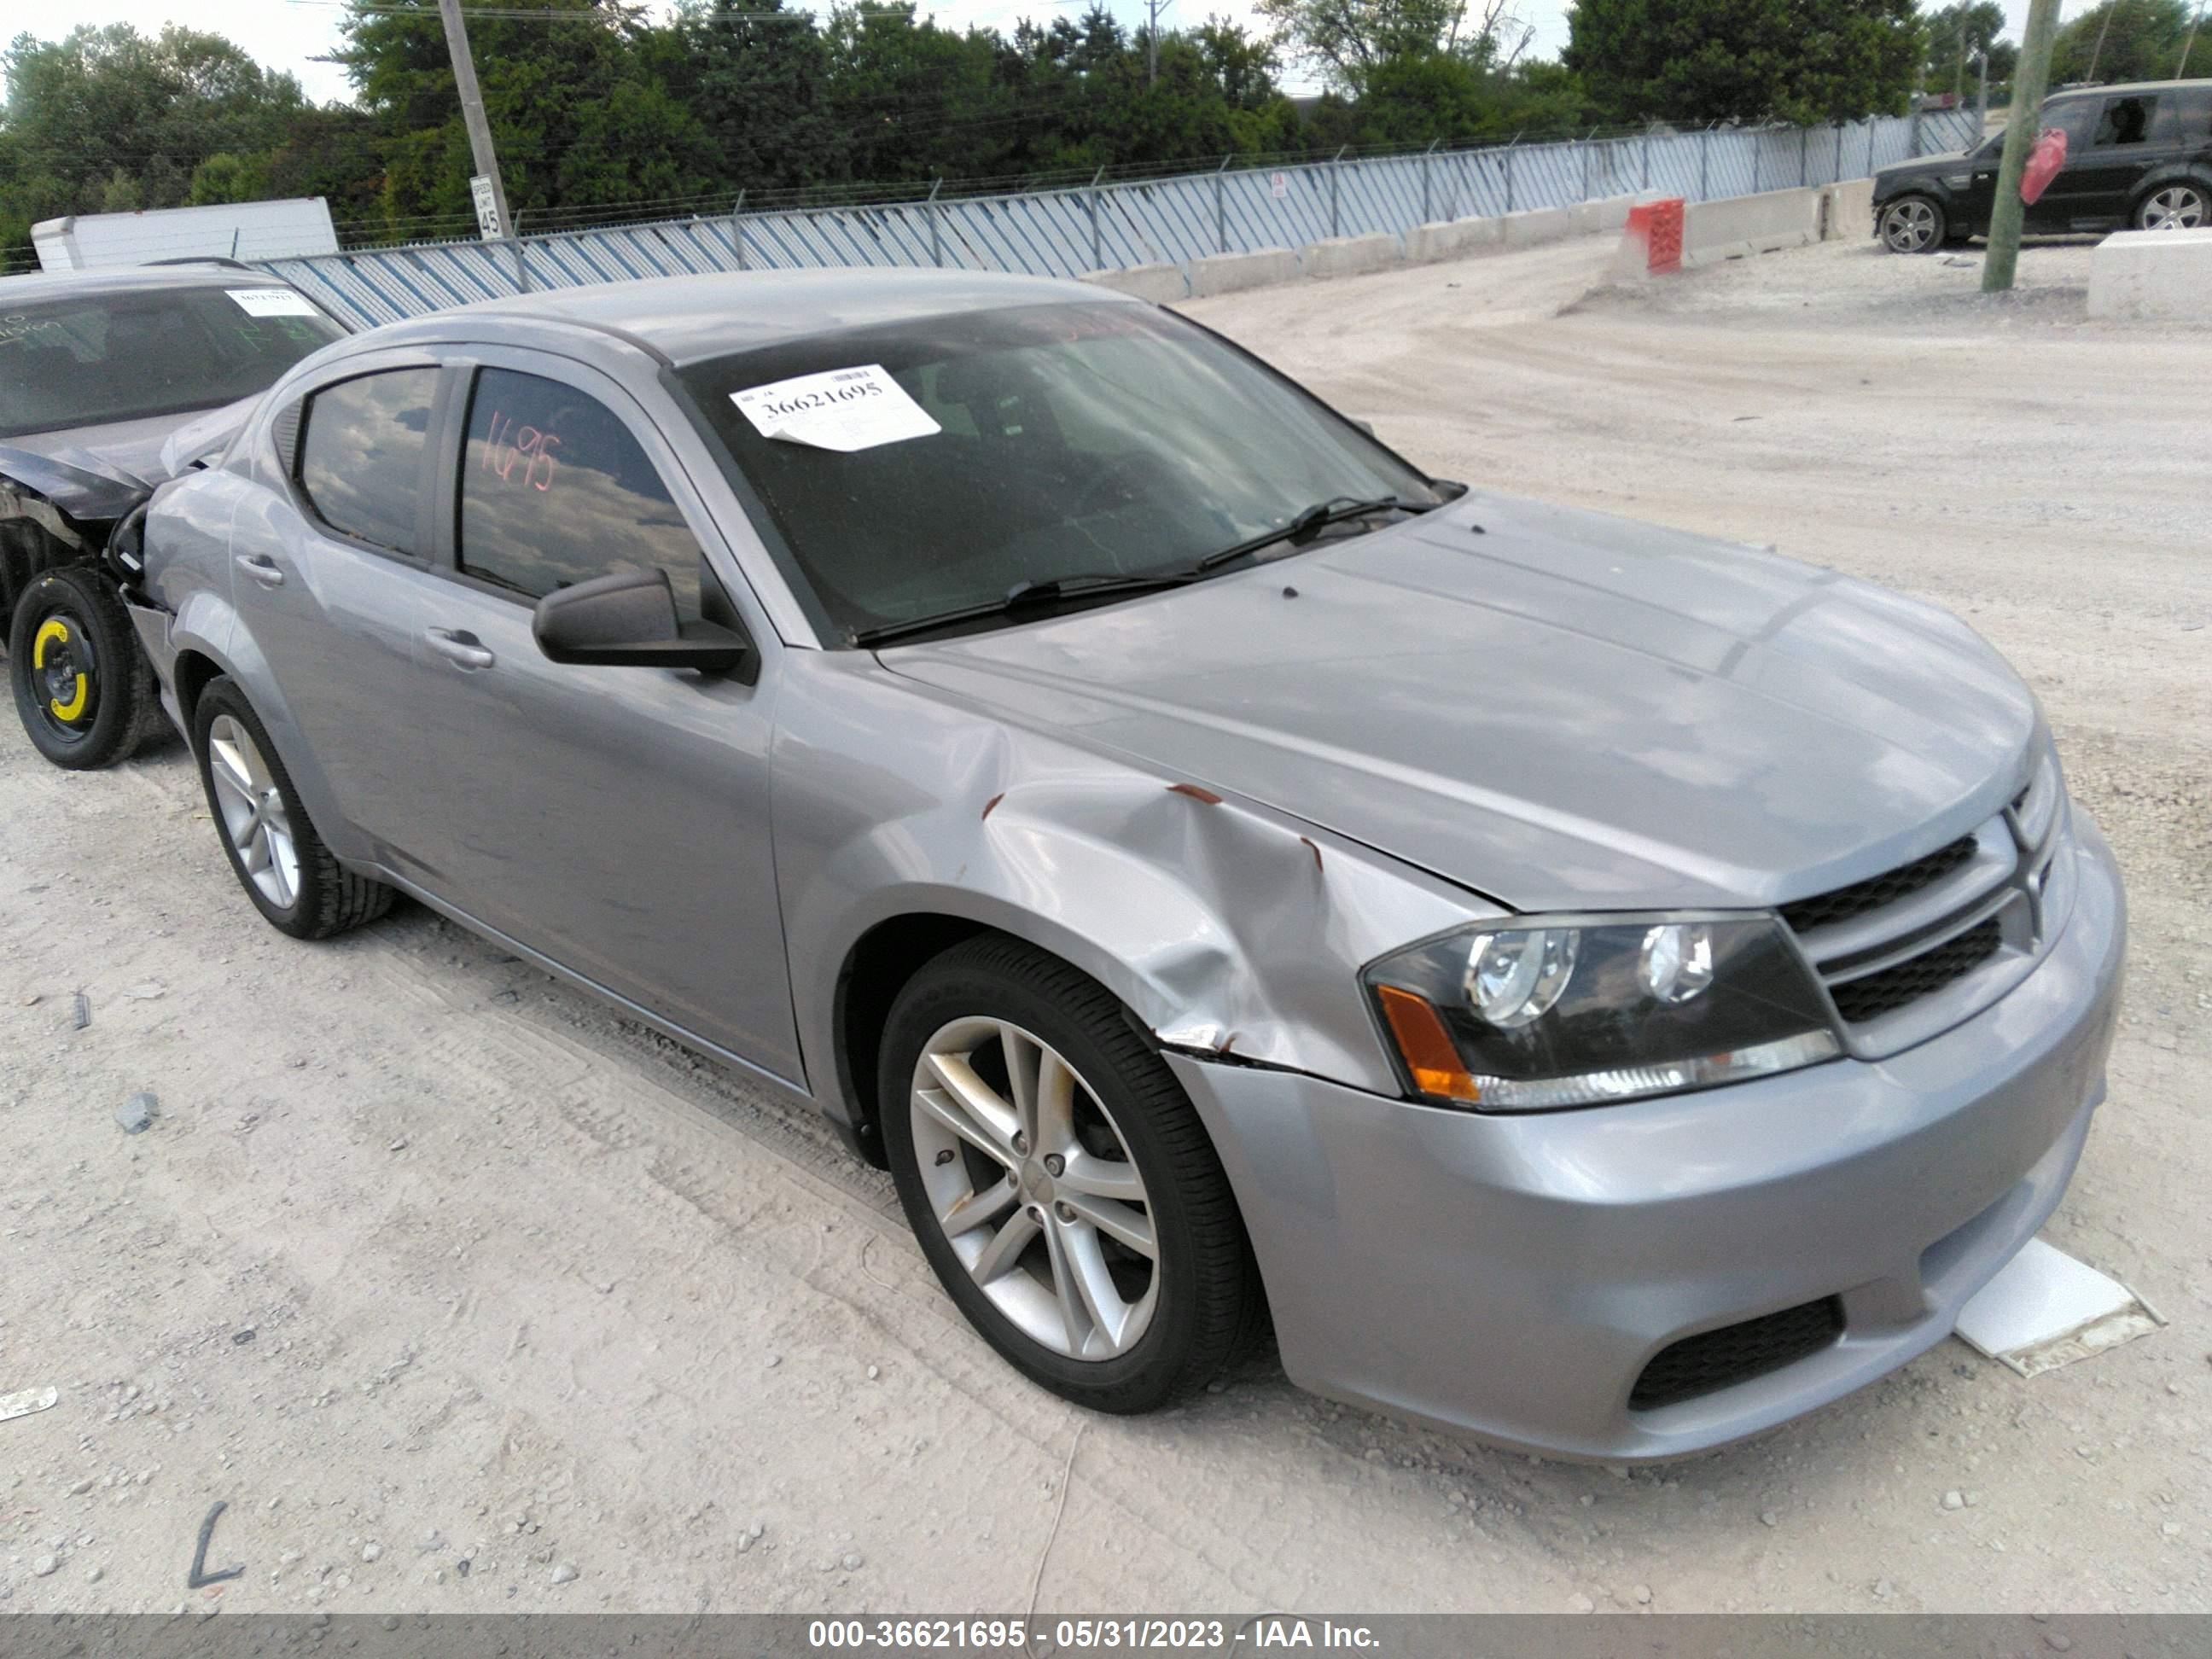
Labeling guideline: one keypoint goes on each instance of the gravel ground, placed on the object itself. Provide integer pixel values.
(465, 1294)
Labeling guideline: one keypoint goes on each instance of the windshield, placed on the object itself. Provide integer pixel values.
(109, 357)
(1031, 444)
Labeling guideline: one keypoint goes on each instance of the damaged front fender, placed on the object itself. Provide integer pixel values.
(73, 500)
(1228, 928)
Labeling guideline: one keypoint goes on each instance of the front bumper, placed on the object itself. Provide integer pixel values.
(1511, 1276)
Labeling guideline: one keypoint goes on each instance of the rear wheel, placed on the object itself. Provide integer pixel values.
(2174, 207)
(292, 878)
(83, 688)
(1059, 1183)
(1913, 224)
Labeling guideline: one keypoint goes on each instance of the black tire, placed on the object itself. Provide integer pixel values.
(1914, 224)
(1209, 1308)
(83, 688)
(327, 897)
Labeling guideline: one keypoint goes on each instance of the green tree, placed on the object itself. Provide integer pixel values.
(108, 120)
(1956, 34)
(756, 76)
(1708, 60)
(578, 122)
(2124, 40)
(224, 177)
(1351, 41)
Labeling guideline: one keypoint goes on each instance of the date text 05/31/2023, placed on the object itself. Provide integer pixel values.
(1260, 1631)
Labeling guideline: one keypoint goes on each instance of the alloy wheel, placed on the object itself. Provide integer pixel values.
(1034, 1186)
(254, 820)
(2177, 206)
(1910, 227)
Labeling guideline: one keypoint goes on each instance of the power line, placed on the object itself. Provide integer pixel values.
(589, 14)
(507, 14)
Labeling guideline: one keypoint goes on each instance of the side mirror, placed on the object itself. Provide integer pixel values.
(628, 620)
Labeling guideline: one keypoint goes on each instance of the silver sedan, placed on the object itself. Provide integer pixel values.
(1593, 987)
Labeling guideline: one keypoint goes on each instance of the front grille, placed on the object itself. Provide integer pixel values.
(1882, 993)
(1736, 1353)
(1823, 909)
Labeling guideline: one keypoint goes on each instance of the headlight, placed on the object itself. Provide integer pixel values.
(1551, 1012)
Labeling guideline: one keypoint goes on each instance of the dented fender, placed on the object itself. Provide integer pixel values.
(1227, 927)
(73, 500)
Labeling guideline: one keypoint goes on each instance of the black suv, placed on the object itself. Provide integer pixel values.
(2137, 157)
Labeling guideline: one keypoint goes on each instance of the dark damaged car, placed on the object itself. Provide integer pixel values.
(111, 382)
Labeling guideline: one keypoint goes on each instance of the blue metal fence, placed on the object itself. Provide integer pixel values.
(1107, 225)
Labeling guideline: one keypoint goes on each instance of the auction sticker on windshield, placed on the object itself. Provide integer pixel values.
(843, 409)
(271, 302)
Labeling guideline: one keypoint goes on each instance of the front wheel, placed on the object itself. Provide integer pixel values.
(2174, 207)
(83, 688)
(1059, 1183)
(1913, 224)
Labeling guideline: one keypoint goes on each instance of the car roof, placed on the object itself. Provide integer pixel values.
(128, 279)
(686, 320)
(2124, 87)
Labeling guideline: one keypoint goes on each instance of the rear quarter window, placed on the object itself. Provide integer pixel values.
(361, 455)
(2193, 114)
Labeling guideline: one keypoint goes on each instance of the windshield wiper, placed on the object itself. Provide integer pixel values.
(1028, 596)
(1312, 521)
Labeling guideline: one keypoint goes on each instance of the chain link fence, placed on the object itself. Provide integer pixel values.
(1111, 225)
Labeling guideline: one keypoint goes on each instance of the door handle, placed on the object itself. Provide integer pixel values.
(262, 568)
(461, 648)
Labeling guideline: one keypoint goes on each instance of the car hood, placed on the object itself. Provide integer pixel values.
(101, 472)
(1555, 708)
(1923, 166)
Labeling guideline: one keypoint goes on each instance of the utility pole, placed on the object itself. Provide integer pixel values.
(1152, 10)
(2029, 83)
(2098, 50)
(473, 110)
(2181, 72)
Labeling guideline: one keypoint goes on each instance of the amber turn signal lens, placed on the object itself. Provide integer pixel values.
(1426, 1047)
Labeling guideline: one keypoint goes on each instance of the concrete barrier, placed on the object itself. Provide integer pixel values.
(2152, 275)
(1349, 256)
(1600, 216)
(1847, 211)
(1537, 225)
(1226, 273)
(1158, 284)
(1739, 226)
(1451, 238)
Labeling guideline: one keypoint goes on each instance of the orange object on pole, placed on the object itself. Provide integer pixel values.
(1658, 225)
(2043, 164)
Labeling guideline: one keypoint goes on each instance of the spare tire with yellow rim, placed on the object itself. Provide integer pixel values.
(83, 688)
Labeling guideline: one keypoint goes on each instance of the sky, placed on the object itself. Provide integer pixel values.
(289, 35)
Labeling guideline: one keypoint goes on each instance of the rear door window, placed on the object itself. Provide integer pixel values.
(2125, 121)
(361, 455)
(555, 489)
